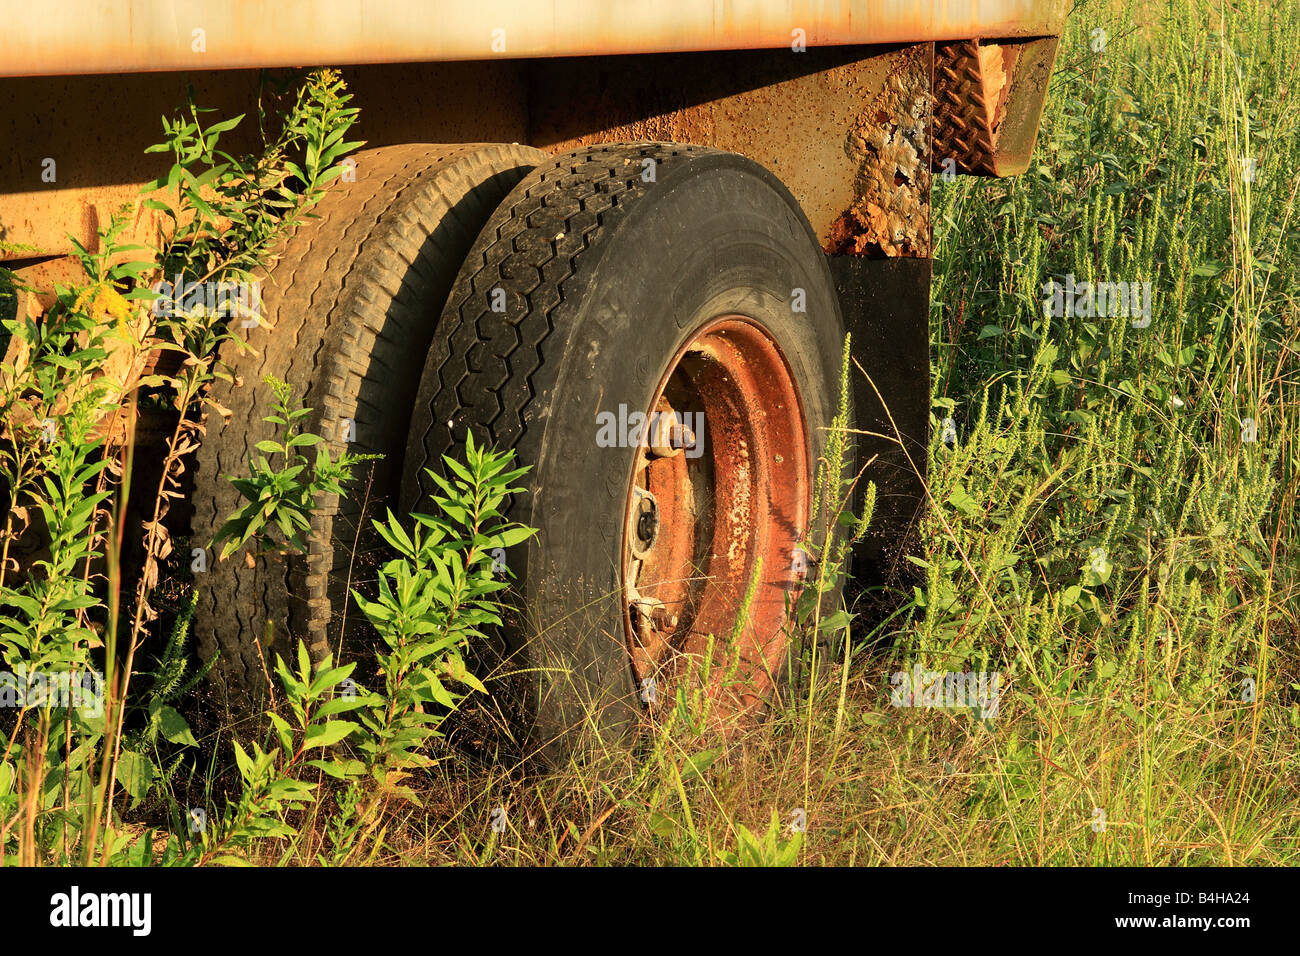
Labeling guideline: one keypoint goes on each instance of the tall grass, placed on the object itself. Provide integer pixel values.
(1156, 684)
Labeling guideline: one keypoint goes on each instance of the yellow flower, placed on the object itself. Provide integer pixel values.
(104, 303)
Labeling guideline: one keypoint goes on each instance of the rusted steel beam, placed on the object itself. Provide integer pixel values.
(845, 129)
(71, 37)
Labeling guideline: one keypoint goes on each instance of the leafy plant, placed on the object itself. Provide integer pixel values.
(834, 529)
(69, 383)
(766, 850)
(281, 496)
(434, 599)
(271, 775)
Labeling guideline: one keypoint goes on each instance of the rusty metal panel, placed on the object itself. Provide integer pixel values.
(846, 130)
(75, 145)
(988, 101)
(74, 37)
(1023, 106)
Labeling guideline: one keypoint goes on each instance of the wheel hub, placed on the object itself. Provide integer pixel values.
(718, 502)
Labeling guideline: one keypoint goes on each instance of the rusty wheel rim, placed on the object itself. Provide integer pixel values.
(721, 480)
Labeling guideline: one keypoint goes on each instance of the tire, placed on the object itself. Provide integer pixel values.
(615, 262)
(348, 313)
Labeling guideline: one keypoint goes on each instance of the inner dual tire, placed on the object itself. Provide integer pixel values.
(349, 311)
(671, 284)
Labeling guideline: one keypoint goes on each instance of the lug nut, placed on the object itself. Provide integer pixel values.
(661, 617)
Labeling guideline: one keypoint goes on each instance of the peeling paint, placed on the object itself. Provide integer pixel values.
(890, 215)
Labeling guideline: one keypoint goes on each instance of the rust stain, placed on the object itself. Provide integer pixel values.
(890, 214)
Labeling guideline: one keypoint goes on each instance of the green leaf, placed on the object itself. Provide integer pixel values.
(304, 662)
(173, 726)
(511, 537)
(838, 621)
(224, 125)
(135, 773)
(663, 825)
(963, 502)
(693, 767)
(328, 734)
(283, 732)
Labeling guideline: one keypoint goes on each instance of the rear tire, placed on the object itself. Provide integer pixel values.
(603, 266)
(349, 310)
